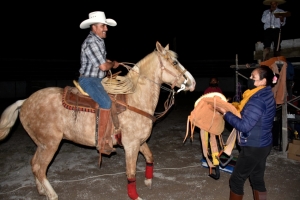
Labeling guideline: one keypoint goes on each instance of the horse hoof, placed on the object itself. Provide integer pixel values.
(148, 183)
(52, 198)
(40, 187)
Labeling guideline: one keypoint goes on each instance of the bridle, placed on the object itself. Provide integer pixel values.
(176, 77)
(163, 68)
(170, 100)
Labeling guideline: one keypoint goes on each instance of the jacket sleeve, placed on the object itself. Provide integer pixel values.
(251, 113)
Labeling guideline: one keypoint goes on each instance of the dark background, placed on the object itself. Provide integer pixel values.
(44, 38)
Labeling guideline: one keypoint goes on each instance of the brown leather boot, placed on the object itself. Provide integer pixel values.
(234, 196)
(259, 195)
(115, 118)
(105, 144)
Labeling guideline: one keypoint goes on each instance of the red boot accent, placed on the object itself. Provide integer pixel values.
(131, 188)
(149, 171)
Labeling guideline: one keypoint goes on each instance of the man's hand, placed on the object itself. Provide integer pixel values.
(108, 65)
(116, 64)
(281, 18)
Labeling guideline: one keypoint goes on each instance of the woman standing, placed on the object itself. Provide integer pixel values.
(258, 109)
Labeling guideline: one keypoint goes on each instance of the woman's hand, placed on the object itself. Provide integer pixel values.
(220, 110)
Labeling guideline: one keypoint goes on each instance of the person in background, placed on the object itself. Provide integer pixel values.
(272, 27)
(213, 86)
(254, 128)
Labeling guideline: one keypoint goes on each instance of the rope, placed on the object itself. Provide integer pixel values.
(98, 176)
(115, 84)
(118, 85)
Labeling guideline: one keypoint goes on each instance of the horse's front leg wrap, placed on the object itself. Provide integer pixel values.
(131, 188)
(149, 171)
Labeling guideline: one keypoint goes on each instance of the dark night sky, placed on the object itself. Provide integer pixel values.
(213, 30)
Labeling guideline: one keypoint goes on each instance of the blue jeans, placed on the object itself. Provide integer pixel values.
(95, 89)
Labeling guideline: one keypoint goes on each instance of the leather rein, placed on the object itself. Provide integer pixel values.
(170, 100)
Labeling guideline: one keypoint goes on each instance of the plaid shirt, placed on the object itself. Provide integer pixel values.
(93, 54)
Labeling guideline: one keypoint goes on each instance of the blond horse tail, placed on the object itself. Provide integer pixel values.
(9, 117)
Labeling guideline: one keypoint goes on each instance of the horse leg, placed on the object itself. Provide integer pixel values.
(39, 164)
(144, 149)
(131, 154)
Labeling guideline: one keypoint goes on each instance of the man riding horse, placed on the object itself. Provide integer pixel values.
(94, 66)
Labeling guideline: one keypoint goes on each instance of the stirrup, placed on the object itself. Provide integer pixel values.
(217, 170)
(225, 163)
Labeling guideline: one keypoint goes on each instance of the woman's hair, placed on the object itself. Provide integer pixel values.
(267, 73)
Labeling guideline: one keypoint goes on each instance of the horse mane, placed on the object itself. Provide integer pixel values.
(169, 54)
(127, 84)
(172, 54)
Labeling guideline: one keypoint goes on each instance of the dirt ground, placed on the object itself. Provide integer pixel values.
(178, 173)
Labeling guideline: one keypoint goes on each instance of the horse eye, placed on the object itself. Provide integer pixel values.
(175, 62)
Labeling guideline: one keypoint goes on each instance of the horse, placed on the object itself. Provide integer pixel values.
(48, 122)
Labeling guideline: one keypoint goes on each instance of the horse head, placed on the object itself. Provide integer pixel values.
(172, 72)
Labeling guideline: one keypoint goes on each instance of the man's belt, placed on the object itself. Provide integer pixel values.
(273, 27)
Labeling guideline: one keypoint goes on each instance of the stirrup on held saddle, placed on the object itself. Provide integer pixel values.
(220, 162)
(79, 88)
(217, 175)
(217, 167)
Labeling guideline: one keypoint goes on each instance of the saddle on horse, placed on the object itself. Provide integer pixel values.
(74, 99)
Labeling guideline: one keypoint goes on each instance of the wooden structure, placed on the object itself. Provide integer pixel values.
(289, 49)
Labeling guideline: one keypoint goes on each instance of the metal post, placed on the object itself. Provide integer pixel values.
(236, 79)
(284, 134)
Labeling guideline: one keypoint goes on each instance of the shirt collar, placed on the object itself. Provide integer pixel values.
(94, 35)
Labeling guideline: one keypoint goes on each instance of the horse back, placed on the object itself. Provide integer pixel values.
(45, 119)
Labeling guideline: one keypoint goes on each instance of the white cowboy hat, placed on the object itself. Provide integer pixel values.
(97, 17)
(268, 2)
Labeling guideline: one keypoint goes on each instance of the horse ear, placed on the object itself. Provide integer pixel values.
(167, 47)
(159, 48)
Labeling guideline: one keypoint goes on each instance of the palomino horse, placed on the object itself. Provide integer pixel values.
(47, 122)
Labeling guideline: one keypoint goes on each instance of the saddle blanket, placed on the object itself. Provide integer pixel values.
(228, 168)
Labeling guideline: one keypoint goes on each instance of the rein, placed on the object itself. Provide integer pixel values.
(126, 65)
(136, 110)
(170, 100)
(167, 105)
